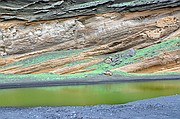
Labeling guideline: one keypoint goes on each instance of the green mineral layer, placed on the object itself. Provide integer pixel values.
(101, 67)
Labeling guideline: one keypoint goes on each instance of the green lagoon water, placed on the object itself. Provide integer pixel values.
(116, 93)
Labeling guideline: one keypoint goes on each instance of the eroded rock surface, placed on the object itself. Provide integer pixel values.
(97, 35)
(167, 61)
(34, 10)
(117, 31)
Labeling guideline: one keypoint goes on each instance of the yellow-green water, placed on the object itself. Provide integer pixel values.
(88, 94)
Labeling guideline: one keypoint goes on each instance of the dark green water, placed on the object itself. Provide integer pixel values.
(88, 94)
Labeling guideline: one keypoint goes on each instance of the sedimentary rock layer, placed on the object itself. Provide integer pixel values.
(34, 10)
(111, 31)
(167, 61)
(30, 28)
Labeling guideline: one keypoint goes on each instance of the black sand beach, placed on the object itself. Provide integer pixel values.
(156, 108)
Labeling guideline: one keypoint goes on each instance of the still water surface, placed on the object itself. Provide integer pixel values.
(88, 94)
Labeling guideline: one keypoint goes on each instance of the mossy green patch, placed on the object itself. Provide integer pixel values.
(45, 57)
(144, 74)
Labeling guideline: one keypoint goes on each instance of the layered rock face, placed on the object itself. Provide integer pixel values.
(101, 27)
(35, 10)
(138, 29)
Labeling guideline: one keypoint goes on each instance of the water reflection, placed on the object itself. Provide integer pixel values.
(88, 94)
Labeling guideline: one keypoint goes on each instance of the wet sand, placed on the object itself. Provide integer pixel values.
(156, 108)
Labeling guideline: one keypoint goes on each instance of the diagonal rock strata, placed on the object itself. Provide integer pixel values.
(74, 33)
(162, 59)
(99, 28)
(52, 9)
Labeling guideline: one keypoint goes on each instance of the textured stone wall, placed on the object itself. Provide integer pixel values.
(34, 10)
(25, 24)
(126, 30)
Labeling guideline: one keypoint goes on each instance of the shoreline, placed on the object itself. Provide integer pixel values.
(88, 81)
(162, 107)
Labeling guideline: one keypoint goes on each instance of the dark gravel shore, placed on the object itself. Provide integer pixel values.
(156, 108)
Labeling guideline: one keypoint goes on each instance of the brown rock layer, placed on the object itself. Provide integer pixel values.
(129, 29)
(102, 34)
(167, 58)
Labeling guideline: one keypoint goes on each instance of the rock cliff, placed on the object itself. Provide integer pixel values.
(80, 36)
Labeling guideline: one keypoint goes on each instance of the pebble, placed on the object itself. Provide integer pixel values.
(118, 58)
(107, 61)
(3, 53)
(113, 64)
(108, 72)
(114, 59)
(117, 63)
(131, 52)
